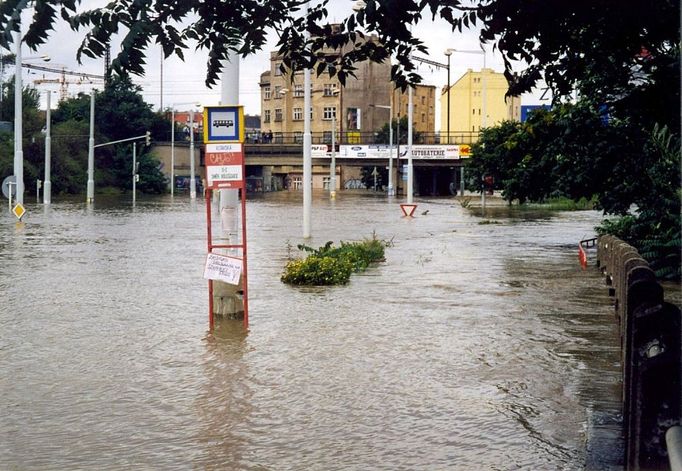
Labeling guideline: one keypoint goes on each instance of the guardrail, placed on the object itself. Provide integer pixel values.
(651, 354)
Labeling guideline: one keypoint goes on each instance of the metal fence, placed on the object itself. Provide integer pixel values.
(364, 138)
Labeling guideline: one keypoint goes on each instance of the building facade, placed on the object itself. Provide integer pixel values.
(424, 107)
(350, 106)
(477, 100)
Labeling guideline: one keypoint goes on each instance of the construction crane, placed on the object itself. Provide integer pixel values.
(63, 84)
(62, 81)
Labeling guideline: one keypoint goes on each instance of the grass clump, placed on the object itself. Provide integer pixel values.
(330, 265)
(564, 204)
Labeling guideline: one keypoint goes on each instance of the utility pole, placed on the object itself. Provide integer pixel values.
(18, 128)
(90, 197)
(47, 192)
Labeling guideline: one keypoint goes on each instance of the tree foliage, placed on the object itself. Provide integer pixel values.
(558, 41)
(573, 151)
(120, 113)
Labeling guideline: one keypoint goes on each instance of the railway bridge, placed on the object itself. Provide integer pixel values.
(273, 166)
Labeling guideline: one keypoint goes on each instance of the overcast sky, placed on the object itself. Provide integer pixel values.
(183, 82)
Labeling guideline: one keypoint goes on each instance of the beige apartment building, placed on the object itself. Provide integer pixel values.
(351, 106)
(477, 100)
(424, 107)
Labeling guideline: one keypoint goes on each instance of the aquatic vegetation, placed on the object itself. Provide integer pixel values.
(333, 265)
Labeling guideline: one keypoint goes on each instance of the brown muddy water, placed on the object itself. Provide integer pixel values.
(473, 347)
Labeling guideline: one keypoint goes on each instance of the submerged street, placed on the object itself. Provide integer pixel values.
(474, 346)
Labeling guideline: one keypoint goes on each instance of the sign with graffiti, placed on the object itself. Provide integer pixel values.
(224, 165)
(223, 124)
(223, 268)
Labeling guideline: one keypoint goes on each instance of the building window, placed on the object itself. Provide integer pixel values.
(298, 90)
(278, 114)
(298, 137)
(266, 116)
(329, 89)
(278, 138)
(297, 182)
(329, 112)
(266, 93)
(278, 92)
(473, 111)
(278, 70)
(325, 182)
(327, 137)
(423, 118)
(423, 100)
(298, 114)
(479, 112)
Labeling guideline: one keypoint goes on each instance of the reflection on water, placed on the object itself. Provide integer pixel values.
(472, 347)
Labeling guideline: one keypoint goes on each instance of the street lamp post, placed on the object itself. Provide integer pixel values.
(18, 131)
(192, 180)
(47, 192)
(448, 53)
(410, 170)
(332, 163)
(90, 196)
(389, 107)
(18, 119)
(307, 149)
(173, 140)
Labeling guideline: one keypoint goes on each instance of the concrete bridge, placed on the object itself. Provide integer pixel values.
(277, 166)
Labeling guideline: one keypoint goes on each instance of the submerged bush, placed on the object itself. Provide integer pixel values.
(329, 265)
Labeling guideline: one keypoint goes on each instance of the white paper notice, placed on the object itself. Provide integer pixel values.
(223, 268)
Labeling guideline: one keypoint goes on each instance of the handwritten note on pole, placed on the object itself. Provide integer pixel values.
(223, 268)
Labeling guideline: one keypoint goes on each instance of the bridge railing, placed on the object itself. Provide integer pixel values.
(651, 353)
(347, 137)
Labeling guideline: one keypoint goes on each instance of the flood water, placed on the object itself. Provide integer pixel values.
(473, 347)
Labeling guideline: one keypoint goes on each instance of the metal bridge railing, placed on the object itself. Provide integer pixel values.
(364, 138)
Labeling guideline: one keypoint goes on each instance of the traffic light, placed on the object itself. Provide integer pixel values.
(147, 138)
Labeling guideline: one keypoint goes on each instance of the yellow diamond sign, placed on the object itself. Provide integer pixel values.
(19, 211)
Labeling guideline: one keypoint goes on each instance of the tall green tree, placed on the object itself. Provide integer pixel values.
(400, 128)
(120, 113)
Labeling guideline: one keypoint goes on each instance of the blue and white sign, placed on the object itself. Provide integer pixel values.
(223, 124)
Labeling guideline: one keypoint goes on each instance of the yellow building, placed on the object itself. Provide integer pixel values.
(476, 101)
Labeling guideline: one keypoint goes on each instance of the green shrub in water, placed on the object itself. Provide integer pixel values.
(329, 265)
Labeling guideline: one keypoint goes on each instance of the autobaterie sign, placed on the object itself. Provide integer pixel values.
(432, 152)
(223, 124)
(224, 165)
(420, 152)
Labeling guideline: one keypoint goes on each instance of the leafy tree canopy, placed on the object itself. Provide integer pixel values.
(562, 42)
